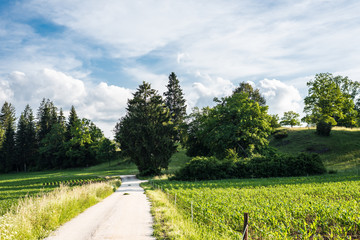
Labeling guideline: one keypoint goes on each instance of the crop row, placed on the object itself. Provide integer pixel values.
(75, 182)
(315, 208)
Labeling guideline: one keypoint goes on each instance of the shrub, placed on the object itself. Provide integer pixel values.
(280, 134)
(270, 164)
(323, 128)
(205, 168)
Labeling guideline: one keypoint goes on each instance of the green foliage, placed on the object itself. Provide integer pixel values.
(194, 142)
(280, 133)
(26, 144)
(205, 168)
(270, 164)
(174, 100)
(274, 121)
(146, 133)
(7, 144)
(318, 207)
(290, 118)
(323, 128)
(252, 94)
(236, 122)
(331, 100)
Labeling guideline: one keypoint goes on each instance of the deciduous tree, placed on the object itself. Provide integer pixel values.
(290, 118)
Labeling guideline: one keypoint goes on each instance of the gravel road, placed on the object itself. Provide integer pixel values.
(123, 215)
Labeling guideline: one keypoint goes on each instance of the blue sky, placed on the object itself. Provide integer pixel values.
(93, 54)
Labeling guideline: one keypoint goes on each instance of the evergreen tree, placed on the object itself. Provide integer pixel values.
(145, 133)
(174, 100)
(252, 94)
(72, 121)
(47, 118)
(7, 151)
(26, 144)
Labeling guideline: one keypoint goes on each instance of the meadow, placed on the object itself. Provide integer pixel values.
(340, 151)
(319, 207)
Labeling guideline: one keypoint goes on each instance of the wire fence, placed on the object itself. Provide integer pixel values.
(198, 212)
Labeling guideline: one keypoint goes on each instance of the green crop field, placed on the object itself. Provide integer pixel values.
(319, 207)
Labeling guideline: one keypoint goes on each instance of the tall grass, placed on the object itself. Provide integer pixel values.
(36, 217)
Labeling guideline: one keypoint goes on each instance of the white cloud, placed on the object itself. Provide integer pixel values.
(205, 88)
(102, 103)
(281, 97)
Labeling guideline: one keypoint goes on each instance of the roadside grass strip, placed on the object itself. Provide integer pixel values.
(170, 223)
(320, 207)
(35, 217)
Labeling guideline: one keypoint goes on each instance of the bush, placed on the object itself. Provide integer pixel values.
(205, 168)
(323, 128)
(280, 134)
(270, 164)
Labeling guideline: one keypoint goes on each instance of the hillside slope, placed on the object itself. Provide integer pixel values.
(340, 151)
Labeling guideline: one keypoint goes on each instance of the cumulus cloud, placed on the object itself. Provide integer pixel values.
(280, 96)
(205, 88)
(102, 103)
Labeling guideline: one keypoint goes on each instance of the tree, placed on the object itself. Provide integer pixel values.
(290, 118)
(7, 151)
(329, 101)
(25, 139)
(47, 118)
(146, 132)
(176, 103)
(73, 118)
(238, 123)
(274, 121)
(194, 139)
(253, 94)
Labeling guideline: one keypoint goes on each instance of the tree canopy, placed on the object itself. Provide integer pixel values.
(330, 100)
(236, 122)
(174, 100)
(290, 118)
(146, 132)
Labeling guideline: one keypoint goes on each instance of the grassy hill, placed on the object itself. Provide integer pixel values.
(340, 151)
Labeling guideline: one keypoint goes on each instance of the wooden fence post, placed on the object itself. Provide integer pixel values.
(246, 224)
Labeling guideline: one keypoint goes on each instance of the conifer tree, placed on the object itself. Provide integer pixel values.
(72, 121)
(47, 118)
(253, 94)
(174, 100)
(7, 151)
(145, 133)
(26, 144)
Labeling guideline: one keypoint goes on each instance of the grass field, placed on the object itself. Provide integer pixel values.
(340, 151)
(320, 207)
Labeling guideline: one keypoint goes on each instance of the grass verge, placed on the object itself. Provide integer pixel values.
(170, 223)
(36, 217)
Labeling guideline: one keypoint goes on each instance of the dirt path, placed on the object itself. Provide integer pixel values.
(123, 215)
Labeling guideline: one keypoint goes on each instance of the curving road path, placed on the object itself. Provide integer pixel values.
(123, 215)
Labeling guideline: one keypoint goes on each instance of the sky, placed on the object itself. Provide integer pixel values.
(94, 54)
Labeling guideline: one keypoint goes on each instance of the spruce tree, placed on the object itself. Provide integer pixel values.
(73, 119)
(252, 94)
(26, 144)
(145, 133)
(47, 118)
(174, 100)
(7, 151)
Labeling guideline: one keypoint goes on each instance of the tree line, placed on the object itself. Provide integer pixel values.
(49, 141)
